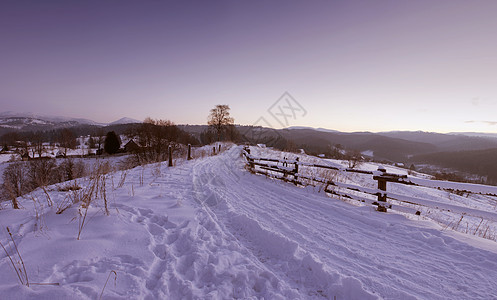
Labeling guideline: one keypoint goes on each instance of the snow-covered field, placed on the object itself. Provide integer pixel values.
(473, 213)
(209, 229)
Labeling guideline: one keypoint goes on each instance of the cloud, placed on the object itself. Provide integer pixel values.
(491, 123)
(475, 101)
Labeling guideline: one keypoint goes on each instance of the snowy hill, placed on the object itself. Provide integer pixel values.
(477, 134)
(209, 229)
(125, 120)
(33, 118)
(11, 122)
(317, 129)
(23, 121)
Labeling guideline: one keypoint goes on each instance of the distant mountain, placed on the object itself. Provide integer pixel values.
(446, 142)
(13, 121)
(480, 134)
(33, 123)
(383, 147)
(317, 129)
(396, 146)
(125, 120)
(45, 119)
(479, 162)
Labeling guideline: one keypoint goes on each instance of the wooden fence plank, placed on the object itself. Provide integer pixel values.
(381, 176)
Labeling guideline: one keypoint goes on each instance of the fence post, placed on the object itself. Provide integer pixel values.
(382, 186)
(219, 150)
(251, 164)
(170, 149)
(189, 156)
(250, 161)
(296, 171)
(214, 150)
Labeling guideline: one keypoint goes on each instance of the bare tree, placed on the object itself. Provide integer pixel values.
(41, 172)
(91, 143)
(67, 140)
(100, 137)
(220, 118)
(22, 147)
(154, 137)
(38, 146)
(354, 159)
(15, 181)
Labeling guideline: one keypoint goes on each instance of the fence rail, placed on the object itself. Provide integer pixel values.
(288, 170)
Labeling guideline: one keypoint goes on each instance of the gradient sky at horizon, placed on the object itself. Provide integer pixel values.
(352, 65)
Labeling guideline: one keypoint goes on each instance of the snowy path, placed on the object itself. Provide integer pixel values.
(392, 257)
(208, 229)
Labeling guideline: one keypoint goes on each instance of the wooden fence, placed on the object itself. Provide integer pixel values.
(290, 170)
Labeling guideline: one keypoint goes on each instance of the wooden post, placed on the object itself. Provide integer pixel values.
(219, 149)
(189, 156)
(214, 150)
(170, 149)
(296, 171)
(382, 184)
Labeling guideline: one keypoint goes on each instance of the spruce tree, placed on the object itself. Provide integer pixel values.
(112, 143)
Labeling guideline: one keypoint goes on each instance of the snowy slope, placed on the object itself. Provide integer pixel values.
(125, 120)
(208, 229)
(42, 119)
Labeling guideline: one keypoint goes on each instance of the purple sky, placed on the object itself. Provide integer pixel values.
(352, 65)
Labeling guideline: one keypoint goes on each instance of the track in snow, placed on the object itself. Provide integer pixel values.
(209, 229)
(290, 229)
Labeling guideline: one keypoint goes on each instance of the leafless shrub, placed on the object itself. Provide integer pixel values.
(202, 152)
(42, 172)
(70, 186)
(71, 169)
(16, 260)
(20, 178)
(85, 197)
(103, 192)
(122, 179)
(101, 169)
(108, 277)
(154, 138)
(129, 162)
(40, 223)
(156, 170)
(142, 174)
(15, 182)
(49, 199)
(74, 196)
(95, 187)
(354, 159)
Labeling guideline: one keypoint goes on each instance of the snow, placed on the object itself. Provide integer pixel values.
(369, 153)
(5, 157)
(44, 119)
(433, 199)
(475, 188)
(208, 229)
(125, 120)
(10, 126)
